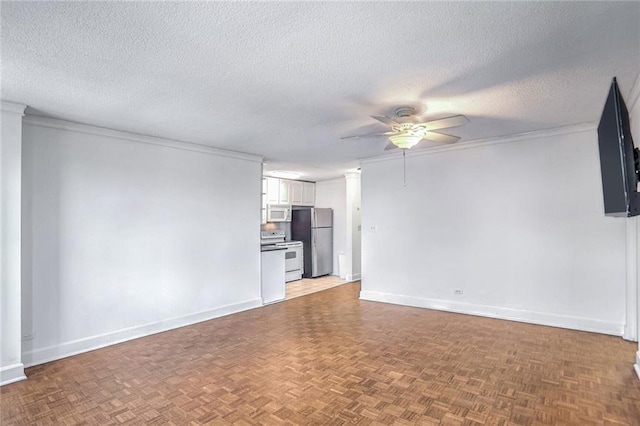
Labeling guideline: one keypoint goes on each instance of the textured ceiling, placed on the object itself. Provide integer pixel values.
(287, 79)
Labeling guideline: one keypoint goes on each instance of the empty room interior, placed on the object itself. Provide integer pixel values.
(321, 213)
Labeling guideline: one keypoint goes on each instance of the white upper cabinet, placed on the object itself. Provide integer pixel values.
(284, 192)
(295, 192)
(263, 219)
(273, 190)
(308, 193)
(292, 192)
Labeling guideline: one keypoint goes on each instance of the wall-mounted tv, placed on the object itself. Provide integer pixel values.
(619, 159)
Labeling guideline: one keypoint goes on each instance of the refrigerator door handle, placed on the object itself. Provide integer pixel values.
(314, 253)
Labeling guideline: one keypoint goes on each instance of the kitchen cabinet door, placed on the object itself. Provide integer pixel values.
(295, 192)
(263, 199)
(273, 190)
(284, 192)
(308, 194)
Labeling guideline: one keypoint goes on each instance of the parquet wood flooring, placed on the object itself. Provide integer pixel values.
(331, 359)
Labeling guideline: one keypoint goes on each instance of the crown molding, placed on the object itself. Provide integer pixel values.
(331, 181)
(14, 107)
(71, 126)
(478, 143)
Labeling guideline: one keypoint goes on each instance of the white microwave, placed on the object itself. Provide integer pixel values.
(278, 213)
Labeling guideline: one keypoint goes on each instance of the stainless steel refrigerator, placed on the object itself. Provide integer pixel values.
(314, 227)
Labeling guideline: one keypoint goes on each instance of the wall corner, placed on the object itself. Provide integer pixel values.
(11, 367)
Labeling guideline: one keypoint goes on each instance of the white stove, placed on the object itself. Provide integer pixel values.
(271, 237)
(294, 260)
(289, 244)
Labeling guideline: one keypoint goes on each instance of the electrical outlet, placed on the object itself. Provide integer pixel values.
(28, 336)
(458, 291)
(373, 228)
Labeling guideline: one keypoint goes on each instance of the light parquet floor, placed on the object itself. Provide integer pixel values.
(331, 359)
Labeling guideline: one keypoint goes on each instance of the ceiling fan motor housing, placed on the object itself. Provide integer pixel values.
(405, 111)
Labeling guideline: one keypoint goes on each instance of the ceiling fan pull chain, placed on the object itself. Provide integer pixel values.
(404, 167)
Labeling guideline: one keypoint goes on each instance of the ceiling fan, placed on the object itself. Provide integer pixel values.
(405, 134)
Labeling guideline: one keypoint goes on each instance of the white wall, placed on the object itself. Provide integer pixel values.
(518, 225)
(354, 221)
(125, 236)
(11, 367)
(333, 194)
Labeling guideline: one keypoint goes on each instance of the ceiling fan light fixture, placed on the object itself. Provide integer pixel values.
(405, 141)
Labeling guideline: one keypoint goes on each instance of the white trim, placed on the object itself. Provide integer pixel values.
(354, 277)
(521, 137)
(636, 366)
(631, 299)
(12, 373)
(52, 353)
(521, 315)
(55, 123)
(14, 107)
(634, 94)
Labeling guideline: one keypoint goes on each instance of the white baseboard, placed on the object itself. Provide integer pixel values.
(12, 373)
(353, 277)
(636, 366)
(553, 320)
(63, 350)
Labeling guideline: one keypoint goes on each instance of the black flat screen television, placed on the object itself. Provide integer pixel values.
(619, 163)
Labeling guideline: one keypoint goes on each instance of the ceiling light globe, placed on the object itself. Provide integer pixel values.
(405, 141)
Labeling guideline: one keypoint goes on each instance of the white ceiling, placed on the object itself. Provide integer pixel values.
(287, 79)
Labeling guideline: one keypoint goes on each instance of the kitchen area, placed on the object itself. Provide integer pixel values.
(296, 238)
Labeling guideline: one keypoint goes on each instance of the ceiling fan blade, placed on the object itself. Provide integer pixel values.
(386, 120)
(441, 137)
(368, 135)
(443, 123)
(390, 146)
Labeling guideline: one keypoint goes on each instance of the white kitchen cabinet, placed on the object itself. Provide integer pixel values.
(284, 192)
(272, 276)
(291, 192)
(295, 192)
(263, 197)
(308, 193)
(273, 190)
